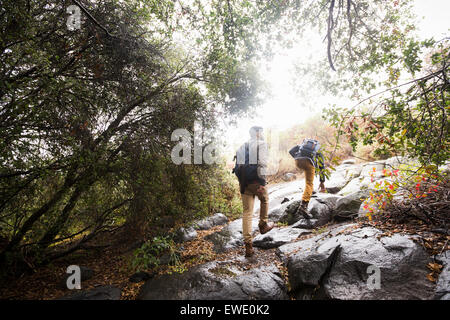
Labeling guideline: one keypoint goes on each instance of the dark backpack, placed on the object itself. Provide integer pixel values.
(308, 149)
(245, 172)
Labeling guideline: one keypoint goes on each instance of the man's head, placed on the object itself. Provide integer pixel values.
(256, 132)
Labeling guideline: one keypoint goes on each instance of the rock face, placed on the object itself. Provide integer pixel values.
(230, 237)
(344, 263)
(209, 222)
(443, 285)
(100, 293)
(306, 224)
(217, 281)
(349, 206)
(374, 169)
(341, 177)
(320, 207)
(277, 237)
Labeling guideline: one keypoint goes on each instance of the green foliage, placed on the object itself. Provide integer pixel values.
(147, 256)
(87, 117)
(411, 121)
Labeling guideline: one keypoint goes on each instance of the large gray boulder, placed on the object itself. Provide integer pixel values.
(230, 237)
(443, 285)
(341, 176)
(320, 206)
(343, 264)
(217, 281)
(185, 234)
(306, 224)
(278, 213)
(401, 163)
(216, 220)
(362, 183)
(374, 169)
(277, 237)
(349, 206)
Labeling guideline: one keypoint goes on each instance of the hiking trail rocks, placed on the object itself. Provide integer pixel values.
(337, 265)
(443, 284)
(223, 280)
(340, 261)
(212, 221)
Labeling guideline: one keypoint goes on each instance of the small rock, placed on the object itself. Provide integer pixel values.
(185, 234)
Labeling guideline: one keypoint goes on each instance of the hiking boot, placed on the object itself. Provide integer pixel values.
(303, 209)
(265, 227)
(249, 250)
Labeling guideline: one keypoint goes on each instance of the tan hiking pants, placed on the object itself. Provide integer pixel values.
(306, 165)
(248, 201)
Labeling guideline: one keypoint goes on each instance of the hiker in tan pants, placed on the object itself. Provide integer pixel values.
(251, 167)
(248, 201)
(307, 167)
(308, 162)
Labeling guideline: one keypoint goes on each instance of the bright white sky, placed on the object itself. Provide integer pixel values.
(286, 108)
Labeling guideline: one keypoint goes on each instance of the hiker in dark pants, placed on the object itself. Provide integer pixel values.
(307, 158)
(251, 166)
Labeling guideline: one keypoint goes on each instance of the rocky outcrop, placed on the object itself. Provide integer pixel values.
(349, 206)
(216, 220)
(217, 281)
(320, 206)
(339, 261)
(185, 234)
(443, 285)
(230, 237)
(277, 237)
(345, 262)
